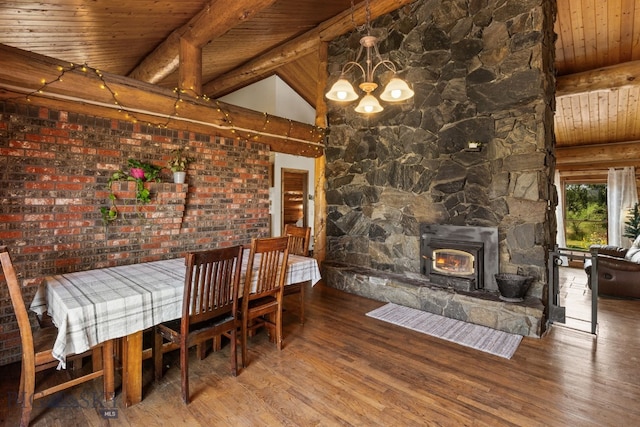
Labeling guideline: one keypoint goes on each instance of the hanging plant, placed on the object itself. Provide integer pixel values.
(140, 172)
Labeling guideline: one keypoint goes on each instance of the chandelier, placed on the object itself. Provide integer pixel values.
(342, 90)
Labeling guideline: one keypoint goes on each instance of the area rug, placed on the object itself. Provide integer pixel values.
(481, 338)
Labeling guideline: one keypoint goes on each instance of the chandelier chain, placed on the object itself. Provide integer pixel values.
(366, 25)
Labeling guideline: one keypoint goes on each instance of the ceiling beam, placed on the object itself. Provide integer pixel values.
(266, 64)
(214, 20)
(625, 75)
(598, 156)
(190, 74)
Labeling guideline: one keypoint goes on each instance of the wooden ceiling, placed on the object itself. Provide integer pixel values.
(242, 41)
(593, 35)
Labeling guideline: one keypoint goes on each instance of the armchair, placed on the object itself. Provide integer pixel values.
(618, 271)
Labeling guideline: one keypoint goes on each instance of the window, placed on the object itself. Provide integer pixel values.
(585, 215)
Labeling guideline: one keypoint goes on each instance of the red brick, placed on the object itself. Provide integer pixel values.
(63, 262)
(62, 133)
(40, 138)
(40, 154)
(39, 185)
(11, 218)
(39, 201)
(69, 186)
(83, 150)
(10, 235)
(40, 170)
(36, 249)
(11, 152)
(66, 216)
(109, 153)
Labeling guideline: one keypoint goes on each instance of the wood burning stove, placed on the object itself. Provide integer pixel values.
(457, 257)
(453, 263)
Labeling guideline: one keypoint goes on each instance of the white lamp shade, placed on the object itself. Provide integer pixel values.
(342, 91)
(369, 104)
(396, 90)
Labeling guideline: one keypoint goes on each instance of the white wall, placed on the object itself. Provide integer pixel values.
(259, 96)
(273, 96)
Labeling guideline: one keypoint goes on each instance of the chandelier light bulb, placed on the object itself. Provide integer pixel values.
(342, 91)
(368, 105)
(396, 90)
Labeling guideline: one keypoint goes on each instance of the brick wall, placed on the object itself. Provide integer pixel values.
(55, 168)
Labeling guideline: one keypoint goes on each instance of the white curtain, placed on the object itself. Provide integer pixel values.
(622, 195)
(561, 239)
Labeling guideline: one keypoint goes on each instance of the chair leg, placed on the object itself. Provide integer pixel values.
(234, 352)
(27, 389)
(278, 332)
(21, 387)
(108, 370)
(184, 369)
(201, 350)
(244, 342)
(157, 354)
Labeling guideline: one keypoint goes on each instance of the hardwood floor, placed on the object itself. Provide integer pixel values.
(344, 368)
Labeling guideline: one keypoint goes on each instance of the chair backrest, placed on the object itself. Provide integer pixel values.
(298, 239)
(26, 335)
(266, 267)
(212, 283)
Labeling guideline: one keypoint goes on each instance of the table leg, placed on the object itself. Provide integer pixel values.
(132, 369)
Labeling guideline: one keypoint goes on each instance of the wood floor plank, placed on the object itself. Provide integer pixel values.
(342, 368)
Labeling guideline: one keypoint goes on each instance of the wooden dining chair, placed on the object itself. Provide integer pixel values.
(263, 289)
(209, 309)
(37, 349)
(298, 245)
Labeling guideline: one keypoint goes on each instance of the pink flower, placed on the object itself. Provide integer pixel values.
(137, 173)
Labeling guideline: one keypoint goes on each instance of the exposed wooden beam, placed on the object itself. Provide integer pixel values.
(22, 72)
(266, 64)
(190, 68)
(215, 19)
(619, 76)
(598, 156)
(320, 206)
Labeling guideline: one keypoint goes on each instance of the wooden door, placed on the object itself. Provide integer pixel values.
(294, 197)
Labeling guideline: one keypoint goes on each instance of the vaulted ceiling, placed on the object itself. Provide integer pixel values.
(242, 41)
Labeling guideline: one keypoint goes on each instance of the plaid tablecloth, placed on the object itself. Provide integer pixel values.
(90, 307)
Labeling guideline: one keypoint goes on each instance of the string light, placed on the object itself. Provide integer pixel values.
(130, 114)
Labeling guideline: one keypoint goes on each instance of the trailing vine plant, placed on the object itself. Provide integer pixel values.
(140, 172)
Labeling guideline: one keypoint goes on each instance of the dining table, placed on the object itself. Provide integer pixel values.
(93, 306)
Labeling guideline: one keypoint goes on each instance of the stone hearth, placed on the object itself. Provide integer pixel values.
(481, 307)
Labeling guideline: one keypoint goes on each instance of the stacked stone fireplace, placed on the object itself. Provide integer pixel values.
(482, 71)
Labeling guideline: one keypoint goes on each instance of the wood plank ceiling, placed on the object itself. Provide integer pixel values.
(597, 52)
(597, 121)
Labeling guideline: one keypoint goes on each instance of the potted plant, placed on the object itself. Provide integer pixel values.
(178, 164)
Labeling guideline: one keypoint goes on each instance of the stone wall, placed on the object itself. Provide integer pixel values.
(481, 71)
(55, 168)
